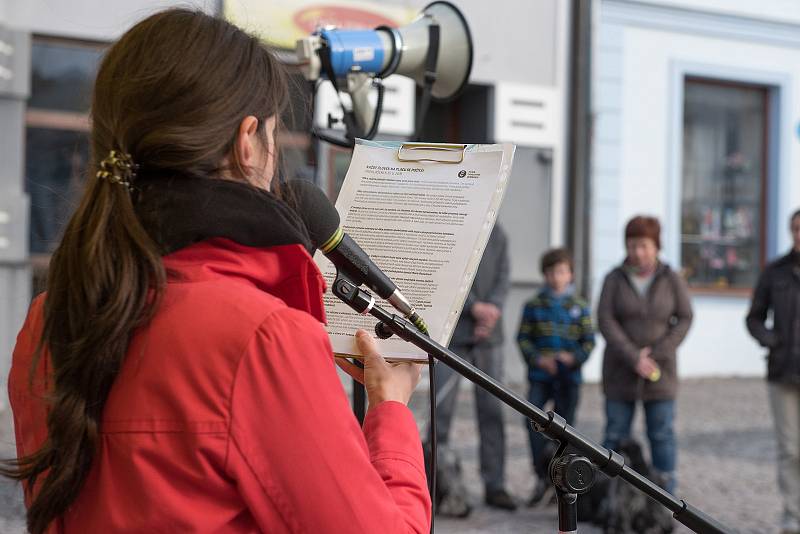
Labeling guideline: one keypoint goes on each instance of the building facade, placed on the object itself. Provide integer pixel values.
(49, 52)
(696, 107)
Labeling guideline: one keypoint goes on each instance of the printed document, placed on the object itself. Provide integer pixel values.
(424, 218)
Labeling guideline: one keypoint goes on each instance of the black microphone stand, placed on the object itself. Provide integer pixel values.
(359, 396)
(571, 474)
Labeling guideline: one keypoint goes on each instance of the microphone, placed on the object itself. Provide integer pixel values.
(322, 221)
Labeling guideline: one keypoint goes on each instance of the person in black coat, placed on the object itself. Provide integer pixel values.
(778, 290)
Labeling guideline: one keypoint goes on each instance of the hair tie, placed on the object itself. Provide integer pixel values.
(118, 168)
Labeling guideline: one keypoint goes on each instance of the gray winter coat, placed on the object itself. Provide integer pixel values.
(630, 322)
(490, 285)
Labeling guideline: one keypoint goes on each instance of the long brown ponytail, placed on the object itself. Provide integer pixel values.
(170, 93)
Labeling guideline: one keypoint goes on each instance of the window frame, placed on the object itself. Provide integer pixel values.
(779, 178)
(763, 205)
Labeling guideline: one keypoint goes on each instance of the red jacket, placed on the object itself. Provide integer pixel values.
(228, 414)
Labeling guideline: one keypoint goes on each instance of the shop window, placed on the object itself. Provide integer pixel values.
(55, 165)
(62, 75)
(724, 183)
(56, 140)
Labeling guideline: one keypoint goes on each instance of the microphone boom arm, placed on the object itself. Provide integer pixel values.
(354, 264)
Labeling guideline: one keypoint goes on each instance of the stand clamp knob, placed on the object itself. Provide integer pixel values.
(572, 473)
(383, 331)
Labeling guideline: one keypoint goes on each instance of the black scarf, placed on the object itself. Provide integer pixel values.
(179, 211)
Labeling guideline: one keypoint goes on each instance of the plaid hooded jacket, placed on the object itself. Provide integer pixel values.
(551, 324)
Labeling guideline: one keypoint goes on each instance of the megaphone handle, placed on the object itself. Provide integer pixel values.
(340, 141)
(378, 112)
(431, 61)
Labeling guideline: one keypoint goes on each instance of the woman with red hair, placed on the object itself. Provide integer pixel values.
(644, 313)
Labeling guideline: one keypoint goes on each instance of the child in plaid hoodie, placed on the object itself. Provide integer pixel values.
(555, 337)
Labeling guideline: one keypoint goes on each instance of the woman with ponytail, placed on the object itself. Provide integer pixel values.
(175, 376)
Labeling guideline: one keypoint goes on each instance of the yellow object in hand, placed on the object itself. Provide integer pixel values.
(655, 375)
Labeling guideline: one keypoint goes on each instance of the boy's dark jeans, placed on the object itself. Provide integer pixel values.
(565, 394)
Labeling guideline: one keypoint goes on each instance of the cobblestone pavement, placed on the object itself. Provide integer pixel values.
(726, 460)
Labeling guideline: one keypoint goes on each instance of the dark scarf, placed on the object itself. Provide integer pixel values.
(179, 211)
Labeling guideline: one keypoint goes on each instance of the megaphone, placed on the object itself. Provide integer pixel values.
(435, 50)
(454, 50)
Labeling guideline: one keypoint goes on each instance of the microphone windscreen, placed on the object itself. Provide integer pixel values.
(318, 213)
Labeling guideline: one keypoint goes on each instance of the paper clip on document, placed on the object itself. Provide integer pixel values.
(435, 152)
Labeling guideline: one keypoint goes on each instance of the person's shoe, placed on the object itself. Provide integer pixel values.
(500, 499)
(539, 492)
(456, 506)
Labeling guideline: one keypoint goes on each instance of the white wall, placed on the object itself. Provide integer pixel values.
(515, 40)
(637, 155)
(87, 19)
(778, 10)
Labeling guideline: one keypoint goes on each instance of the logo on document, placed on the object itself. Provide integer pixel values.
(462, 173)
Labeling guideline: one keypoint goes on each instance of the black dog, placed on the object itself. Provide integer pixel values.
(615, 505)
(620, 508)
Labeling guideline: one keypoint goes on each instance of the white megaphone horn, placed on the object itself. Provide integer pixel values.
(435, 50)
